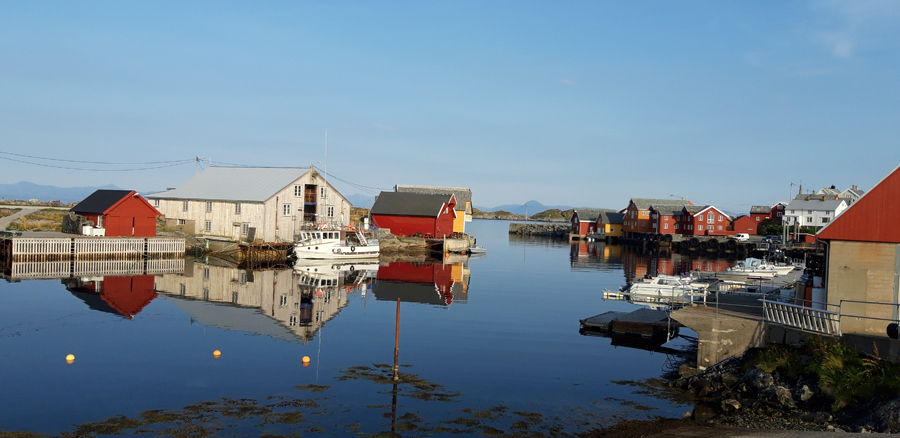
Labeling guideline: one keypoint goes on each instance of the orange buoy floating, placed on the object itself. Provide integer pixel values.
(70, 358)
(216, 354)
(305, 360)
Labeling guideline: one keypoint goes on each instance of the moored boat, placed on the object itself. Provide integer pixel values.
(758, 268)
(666, 289)
(335, 245)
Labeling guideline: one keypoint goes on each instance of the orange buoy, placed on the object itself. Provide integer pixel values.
(216, 354)
(70, 358)
(305, 360)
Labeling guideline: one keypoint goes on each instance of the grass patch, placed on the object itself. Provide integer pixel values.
(4, 212)
(47, 219)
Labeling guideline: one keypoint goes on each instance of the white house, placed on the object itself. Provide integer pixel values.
(237, 203)
(813, 210)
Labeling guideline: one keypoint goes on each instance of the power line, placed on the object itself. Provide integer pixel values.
(98, 170)
(91, 162)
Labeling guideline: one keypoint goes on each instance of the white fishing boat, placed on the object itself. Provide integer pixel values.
(326, 273)
(754, 267)
(666, 289)
(335, 245)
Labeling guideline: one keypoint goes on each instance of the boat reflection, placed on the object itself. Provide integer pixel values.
(288, 304)
(585, 255)
(425, 282)
(637, 265)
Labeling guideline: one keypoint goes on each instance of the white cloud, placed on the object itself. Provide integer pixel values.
(856, 24)
(567, 81)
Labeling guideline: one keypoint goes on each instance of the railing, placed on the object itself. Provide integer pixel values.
(94, 268)
(802, 317)
(92, 248)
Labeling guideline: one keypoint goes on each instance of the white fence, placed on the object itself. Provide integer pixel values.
(804, 318)
(40, 269)
(94, 268)
(92, 248)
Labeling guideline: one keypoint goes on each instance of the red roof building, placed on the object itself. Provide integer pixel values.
(406, 214)
(122, 213)
(704, 221)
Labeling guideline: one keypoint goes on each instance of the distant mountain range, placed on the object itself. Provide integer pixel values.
(25, 190)
(533, 207)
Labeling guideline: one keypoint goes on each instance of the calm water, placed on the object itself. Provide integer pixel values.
(499, 332)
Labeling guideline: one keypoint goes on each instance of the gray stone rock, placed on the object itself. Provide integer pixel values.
(703, 413)
(804, 393)
(759, 379)
(730, 405)
(887, 416)
(729, 379)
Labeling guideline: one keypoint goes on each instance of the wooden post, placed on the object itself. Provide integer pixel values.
(397, 344)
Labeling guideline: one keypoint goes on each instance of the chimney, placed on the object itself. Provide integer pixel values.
(854, 187)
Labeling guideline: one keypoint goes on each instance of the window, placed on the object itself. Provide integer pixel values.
(206, 294)
(286, 209)
(699, 227)
(809, 219)
(643, 223)
(709, 218)
(780, 214)
(825, 220)
(720, 218)
(184, 205)
(757, 218)
(234, 297)
(242, 278)
(156, 202)
(665, 226)
(208, 226)
(676, 226)
(237, 208)
(293, 320)
(209, 206)
(181, 221)
(322, 192)
(206, 273)
(720, 228)
(181, 289)
(245, 228)
(330, 211)
(283, 301)
(792, 211)
(298, 190)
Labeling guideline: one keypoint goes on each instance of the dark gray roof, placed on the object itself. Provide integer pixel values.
(462, 194)
(591, 214)
(694, 209)
(409, 204)
(760, 209)
(250, 184)
(611, 217)
(674, 209)
(100, 201)
(645, 203)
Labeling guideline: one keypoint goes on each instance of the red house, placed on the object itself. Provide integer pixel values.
(125, 296)
(760, 213)
(406, 214)
(121, 212)
(704, 221)
(416, 283)
(745, 224)
(583, 226)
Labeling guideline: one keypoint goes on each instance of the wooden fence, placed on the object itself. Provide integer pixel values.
(94, 268)
(91, 248)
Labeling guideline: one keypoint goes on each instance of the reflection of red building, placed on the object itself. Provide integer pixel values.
(418, 282)
(125, 296)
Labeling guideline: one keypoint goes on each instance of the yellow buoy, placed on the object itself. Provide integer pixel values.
(216, 354)
(305, 360)
(70, 358)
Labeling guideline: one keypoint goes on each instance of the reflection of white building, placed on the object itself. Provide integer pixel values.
(239, 299)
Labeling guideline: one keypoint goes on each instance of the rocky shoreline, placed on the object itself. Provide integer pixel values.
(733, 394)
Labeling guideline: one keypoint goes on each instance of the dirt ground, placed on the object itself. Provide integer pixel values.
(670, 428)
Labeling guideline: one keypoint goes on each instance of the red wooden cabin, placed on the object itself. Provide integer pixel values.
(121, 212)
(406, 214)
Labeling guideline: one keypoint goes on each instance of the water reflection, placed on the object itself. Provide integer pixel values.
(426, 282)
(287, 304)
(123, 296)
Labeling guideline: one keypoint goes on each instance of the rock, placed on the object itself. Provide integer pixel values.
(778, 396)
(730, 405)
(759, 379)
(686, 370)
(887, 416)
(816, 417)
(729, 379)
(804, 393)
(686, 416)
(703, 413)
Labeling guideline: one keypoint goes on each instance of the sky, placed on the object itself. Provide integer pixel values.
(581, 103)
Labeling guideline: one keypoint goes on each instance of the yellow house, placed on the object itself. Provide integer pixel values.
(611, 224)
(463, 201)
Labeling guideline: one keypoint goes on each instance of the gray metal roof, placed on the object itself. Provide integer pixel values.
(760, 209)
(409, 204)
(591, 214)
(232, 317)
(249, 184)
(611, 217)
(645, 203)
(462, 194)
(814, 205)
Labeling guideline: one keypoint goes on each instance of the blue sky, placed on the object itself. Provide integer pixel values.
(579, 103)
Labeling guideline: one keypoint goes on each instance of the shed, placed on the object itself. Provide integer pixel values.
(406, 214)
(121, 212)
(863, 259)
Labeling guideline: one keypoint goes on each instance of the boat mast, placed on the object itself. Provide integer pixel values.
(324, 176)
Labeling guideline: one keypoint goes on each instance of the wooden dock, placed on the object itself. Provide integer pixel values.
(61, 247)
(642, 322)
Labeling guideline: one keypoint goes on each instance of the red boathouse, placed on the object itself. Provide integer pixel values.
(406, 214)
(123, 213)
